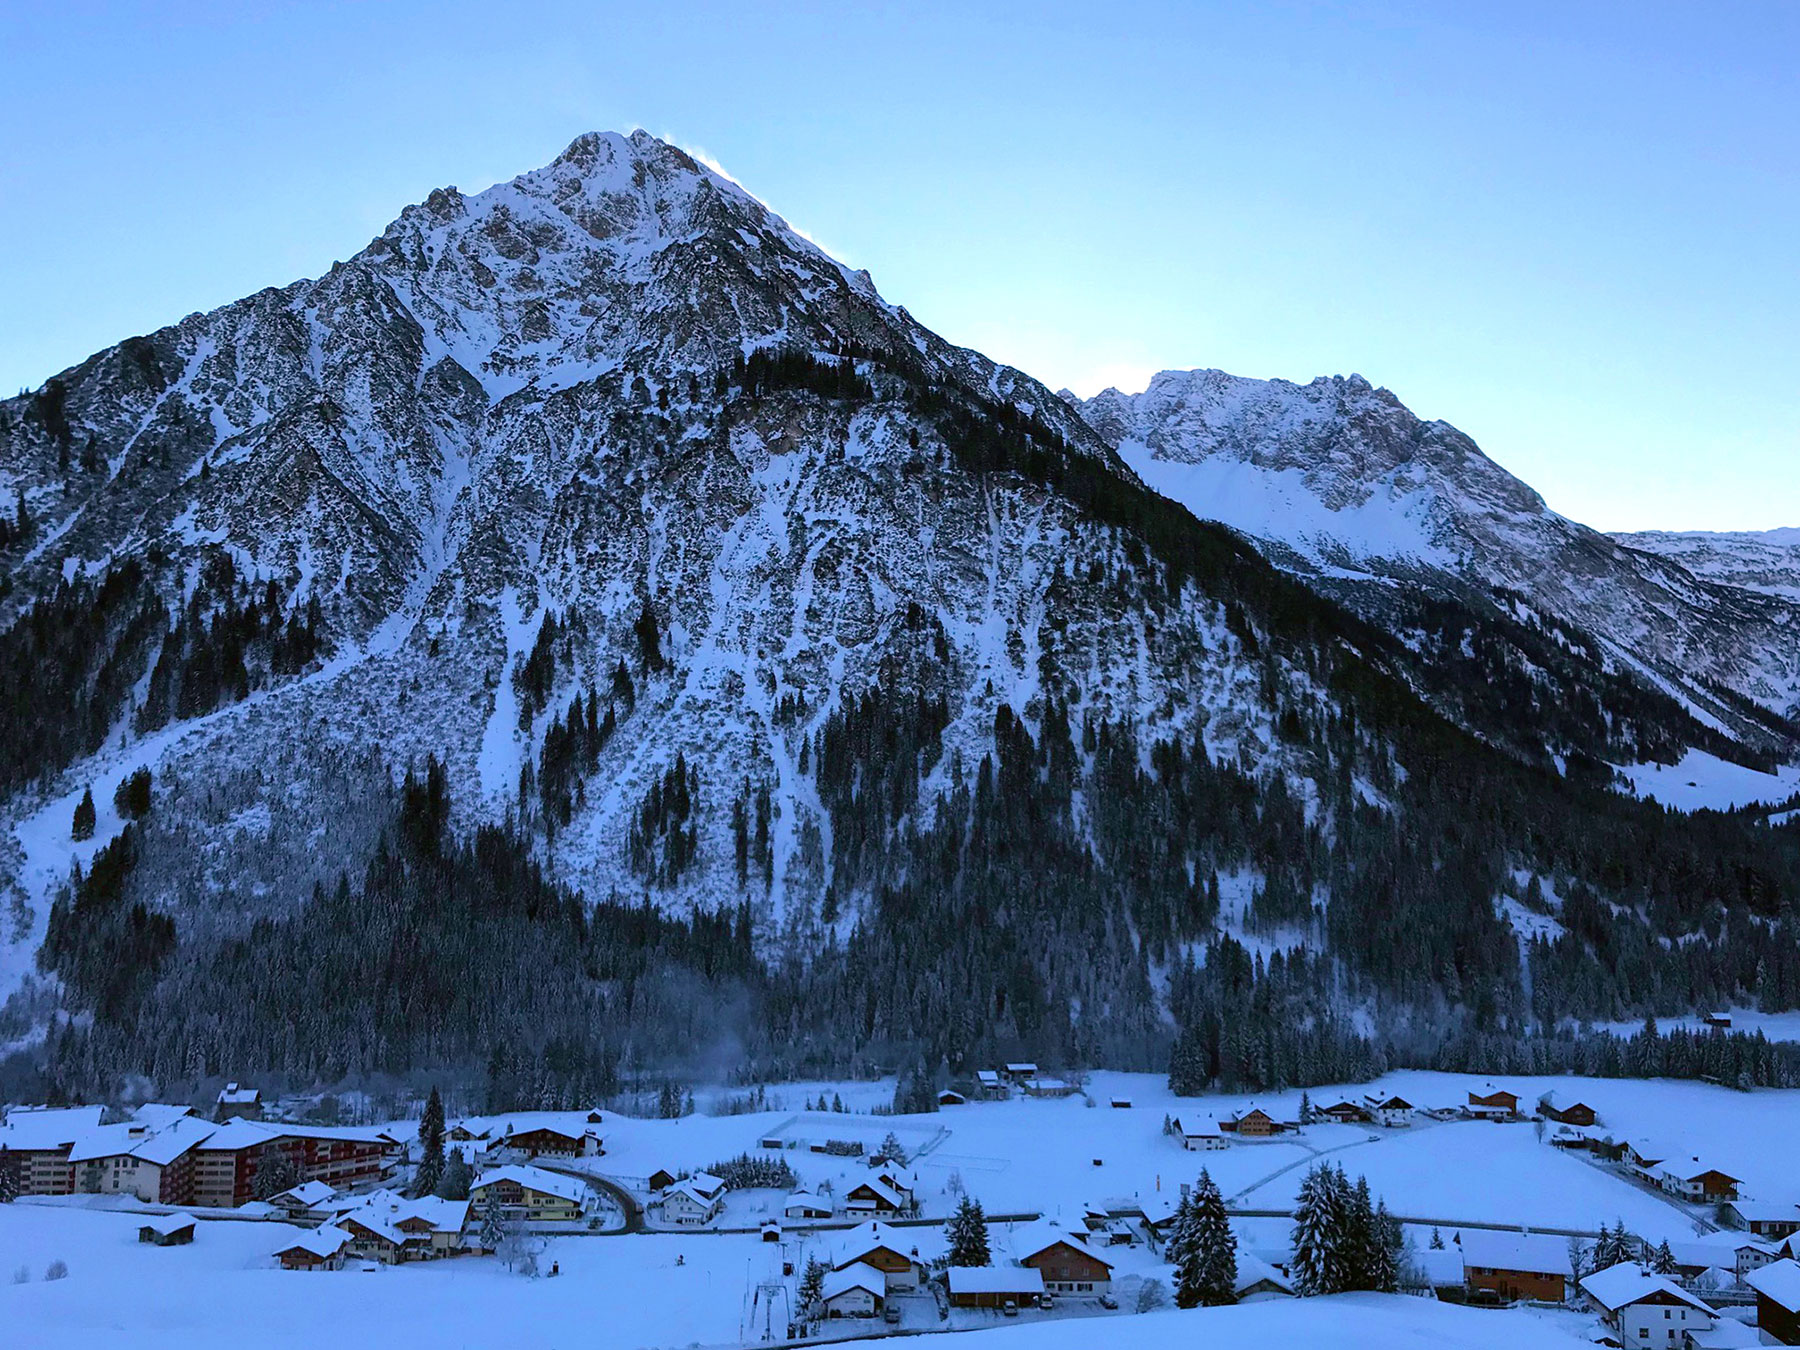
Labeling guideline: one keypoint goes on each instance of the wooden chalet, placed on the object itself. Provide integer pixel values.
(1494, 1104)
(1514, 1266)
(1777, 1289)
(531, 1195)
(1254, 1123)
(168, 1230)
(543, 1141)
(1579, 1114)
(888, 1250)
(1345, 1113)
(315, 1249)
(1065, 1260)
(994, 1286)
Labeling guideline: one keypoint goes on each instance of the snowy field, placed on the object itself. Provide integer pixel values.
(1019, 1157)
(1705, 782)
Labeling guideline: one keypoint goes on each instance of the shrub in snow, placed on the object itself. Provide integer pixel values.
(1152, 1294)
(56, 1270)
(22, 1275)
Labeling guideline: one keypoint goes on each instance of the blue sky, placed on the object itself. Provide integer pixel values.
(1569, 229)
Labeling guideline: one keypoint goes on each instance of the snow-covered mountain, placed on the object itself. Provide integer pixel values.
(722, 586)
(511, 406)
(1339, 482)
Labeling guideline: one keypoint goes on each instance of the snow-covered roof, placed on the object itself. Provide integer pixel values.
(1627, 1283)
(882, 1190)
(856, 1276)
(703, 1198)
(1766, 1211)
(1716, 1249)
(168, 1223)
(806, 1198)
(322, 1242)
(160, 1115)
(44, 1127)
(384, 1211)
(1692, 1168)
(173, 1140)
(706, 1183)
(987, 1077)
(866, 1237)
(307, 1193)
(1538, 1253)
(1441, 1266)
(240, 1133)
(1021, 1068)
(106, 1141)
(1033, 1238)
(996, 1280)
(1778, 1281)
(233, 1095)
(1252, 1269)
(1724, 1334)
(536, 1179)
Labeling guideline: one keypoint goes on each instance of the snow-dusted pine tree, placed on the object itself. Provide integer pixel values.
(431, 1147)
(1215, 1244)
(1387, 1252)
(1359, 1234)
(1184, 1254)
(968, 1235)
(1319, 1233)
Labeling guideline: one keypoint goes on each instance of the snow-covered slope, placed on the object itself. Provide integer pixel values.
(1338, 481)
(1765, 560)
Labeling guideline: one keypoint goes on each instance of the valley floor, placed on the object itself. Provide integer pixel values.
(1021, 1158)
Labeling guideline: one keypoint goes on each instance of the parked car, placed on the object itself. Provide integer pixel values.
(1009, 1309)
(1108, 1301)
(891, 1314)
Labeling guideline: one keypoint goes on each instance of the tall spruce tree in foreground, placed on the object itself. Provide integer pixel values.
(1387, 1253)
(431, 1147)
(968, 1234)
(1184, 1253)
(1359, 1233)
(1215, 1245)
(1319, 1266)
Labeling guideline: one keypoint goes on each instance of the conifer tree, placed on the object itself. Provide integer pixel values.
(493, 1226)
(1319, 1233)
(812, 1282)
(83, 825)
(1184, 1254)
(1215, 1245)
(968, 1234)
(1387, 1252)
(1359, 1238)
(454, 1184)
(431, 1147)
(1663, 1260)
